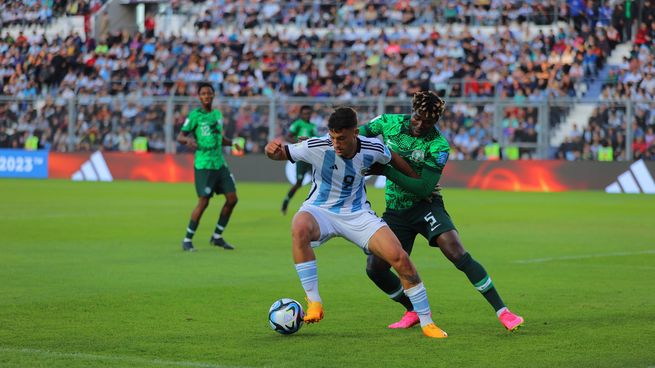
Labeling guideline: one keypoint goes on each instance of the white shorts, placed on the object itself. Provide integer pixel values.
(357, 227)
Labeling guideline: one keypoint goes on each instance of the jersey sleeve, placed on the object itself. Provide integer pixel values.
(373, 128)
(384, 158)
(438, 157)
(189, 124)
(307, 151)
(380, 152)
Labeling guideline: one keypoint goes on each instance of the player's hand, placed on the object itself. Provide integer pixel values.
(436, 192)
(191, 143)
(274, 148)
(375, 169)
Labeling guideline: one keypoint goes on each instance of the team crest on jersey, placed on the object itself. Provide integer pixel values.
(417, 156)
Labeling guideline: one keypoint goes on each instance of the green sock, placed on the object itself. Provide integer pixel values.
(292, 191)
(480, 280)
(190, 230)
(220, 226)
(388, 282)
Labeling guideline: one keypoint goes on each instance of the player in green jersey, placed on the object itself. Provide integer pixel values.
(302, 127)
(416, 139)
(203, 131)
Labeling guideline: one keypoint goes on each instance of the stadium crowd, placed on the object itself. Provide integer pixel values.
(633, 79)
(41, 12)
(109, 75)
(323, 14)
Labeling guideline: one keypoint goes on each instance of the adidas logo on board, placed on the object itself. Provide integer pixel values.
(95, 169)
(636, 180)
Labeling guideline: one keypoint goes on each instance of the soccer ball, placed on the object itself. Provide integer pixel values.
(285, 316)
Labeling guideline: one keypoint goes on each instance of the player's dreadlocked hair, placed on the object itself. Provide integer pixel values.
(428, 104)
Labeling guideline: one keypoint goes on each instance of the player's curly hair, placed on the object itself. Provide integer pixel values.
(428, 104)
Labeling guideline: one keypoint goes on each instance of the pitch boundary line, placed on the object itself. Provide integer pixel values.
(115, 358)
(583, 256)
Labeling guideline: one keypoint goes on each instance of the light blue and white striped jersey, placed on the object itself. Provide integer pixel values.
(338, 184)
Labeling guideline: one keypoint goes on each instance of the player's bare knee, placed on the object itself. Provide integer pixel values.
(203, 202)
(301, 231)
(454, 251)
(231, 200)
(399, 260)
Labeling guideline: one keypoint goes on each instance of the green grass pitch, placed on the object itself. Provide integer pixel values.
(92, 275)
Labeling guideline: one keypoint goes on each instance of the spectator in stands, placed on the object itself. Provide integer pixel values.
(338, 64)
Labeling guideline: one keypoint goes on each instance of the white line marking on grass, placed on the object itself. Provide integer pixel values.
(114, 358)
(583, 256)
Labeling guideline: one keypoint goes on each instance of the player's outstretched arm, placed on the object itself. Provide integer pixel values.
(422, 187)
(402, 165)
(275, 150)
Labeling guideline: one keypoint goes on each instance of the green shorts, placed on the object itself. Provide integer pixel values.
(302, 168)
(210, 181)
(427, 219)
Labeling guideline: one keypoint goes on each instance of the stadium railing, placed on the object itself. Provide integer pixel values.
(111, 123)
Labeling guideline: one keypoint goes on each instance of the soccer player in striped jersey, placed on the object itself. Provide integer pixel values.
(337, 206)
(416, 139)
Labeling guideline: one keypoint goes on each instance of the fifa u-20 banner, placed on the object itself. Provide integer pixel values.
(520, 176)
(18, 163)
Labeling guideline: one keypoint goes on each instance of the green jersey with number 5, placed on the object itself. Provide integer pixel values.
(207, 128)
(429, 152)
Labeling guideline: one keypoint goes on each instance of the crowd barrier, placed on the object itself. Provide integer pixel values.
(521, 176)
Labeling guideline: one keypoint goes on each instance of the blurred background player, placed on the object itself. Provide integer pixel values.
(416, 139)
(300, 128)
(337, 206)
(203, 131)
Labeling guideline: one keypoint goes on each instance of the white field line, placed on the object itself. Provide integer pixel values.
(111, 358)
(583, 256)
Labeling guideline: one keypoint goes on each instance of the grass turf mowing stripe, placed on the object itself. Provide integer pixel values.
(114, 358)
(584, 256)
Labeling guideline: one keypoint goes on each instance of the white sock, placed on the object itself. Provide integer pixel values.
(419, 298)
(308, 273)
